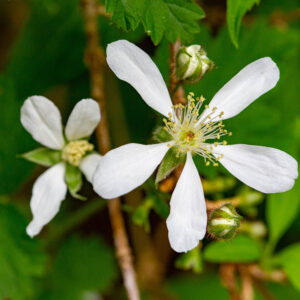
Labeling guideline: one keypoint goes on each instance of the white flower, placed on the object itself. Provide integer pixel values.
(121, 170)
(41, 118)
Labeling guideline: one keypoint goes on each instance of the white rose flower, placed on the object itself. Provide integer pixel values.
(121, 170)
(69, 155)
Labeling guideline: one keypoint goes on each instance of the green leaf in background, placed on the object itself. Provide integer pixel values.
(242, 249)
(170, 161)
(83, 265)
(174, 18)
(289, 259)
(43, 156)
(73, 179)
(21, 258)
(49, 50)
(197, 287)
(282, 209)
(235, 12)
(15, 140)
(192, 260)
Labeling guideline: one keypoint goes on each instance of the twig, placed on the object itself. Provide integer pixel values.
(228, 276)
(247, 292)
(264, 292)
(210, 205)
(259, 274)
(95, 62)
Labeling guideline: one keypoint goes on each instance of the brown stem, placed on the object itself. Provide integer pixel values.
(259, 274)
(210, 205)
(247, 292)
(263, 290)
(228, 276)
(95, 61)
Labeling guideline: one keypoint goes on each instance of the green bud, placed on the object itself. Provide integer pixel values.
(250, 197)
(192, 63)
(256, 229)
(224, 222)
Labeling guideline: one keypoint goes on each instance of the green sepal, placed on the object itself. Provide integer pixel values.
(170, 161)
(160, 135)
(73, 179)
(43, 156)
(192, 260)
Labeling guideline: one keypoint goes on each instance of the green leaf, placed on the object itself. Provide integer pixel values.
(14, 140)
(283, 207)
(174, 18)
(141, 215)
(170, 161)
(73, 179)
(55, 24)
(235, 12)
(84, 264)
(197, 287)
(21, 258)
(160, 205)
(126, 14)
(43, 156)
(192, 260)
(289, 259)
(242, 249)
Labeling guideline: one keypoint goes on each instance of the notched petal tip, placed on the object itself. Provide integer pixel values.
(32, 229)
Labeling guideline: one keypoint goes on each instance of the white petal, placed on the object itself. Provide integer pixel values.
(41, 118)
(188, 219)
(83, 119)
(250, 83)
(265, 169)
(123, 169)
(89, 164)
(134, 66)
(48, 192)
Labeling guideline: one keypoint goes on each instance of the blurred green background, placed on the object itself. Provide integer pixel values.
(41, 53)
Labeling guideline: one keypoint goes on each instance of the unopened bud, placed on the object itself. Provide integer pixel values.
(224, 222)
(192, 63)
(250, 197)
(256, 229)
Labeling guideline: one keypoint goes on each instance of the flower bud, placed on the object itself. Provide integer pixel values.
(192, 63)
(224, 222)
(256, 229)
(250, 197)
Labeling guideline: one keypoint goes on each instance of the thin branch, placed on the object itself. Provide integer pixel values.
(95, 61)
(247, 292)
(228, 277)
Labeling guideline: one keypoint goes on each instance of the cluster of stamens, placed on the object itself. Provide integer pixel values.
(190, 131)
(75, 150)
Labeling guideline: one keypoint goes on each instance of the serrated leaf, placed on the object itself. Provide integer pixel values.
(43, 156)
(21, 258)
(173, 18)
(192, 260)
(73, 179)
(283, 207)
(170, 161)
(126, 14)
(242, 249)
(289, 259)
(234, 14)
(84, 264)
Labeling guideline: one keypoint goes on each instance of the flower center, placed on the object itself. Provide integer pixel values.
(190, 131)
(74, 151)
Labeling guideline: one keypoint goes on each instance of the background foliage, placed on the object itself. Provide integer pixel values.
(42, 48)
